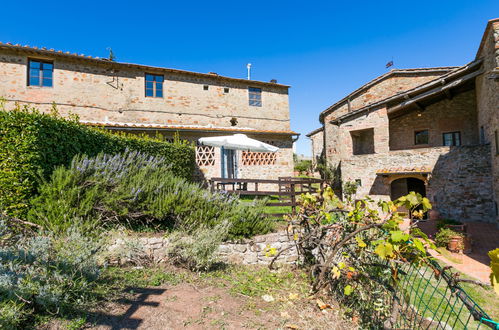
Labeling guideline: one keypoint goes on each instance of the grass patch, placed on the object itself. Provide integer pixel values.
(121, 278)
(258, 281)
(270, 199)
(448, 255)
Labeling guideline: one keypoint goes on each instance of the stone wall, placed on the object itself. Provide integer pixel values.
(338, 143)
(339, 138)
(455, 115)
(257, 250)
(459, 185)
(487, 90)
(113, 92)
(260, 250)
(317, 141)
(395, 82)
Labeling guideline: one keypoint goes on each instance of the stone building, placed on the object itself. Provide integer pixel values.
(317, 143)
(429, 130)
(151, 100)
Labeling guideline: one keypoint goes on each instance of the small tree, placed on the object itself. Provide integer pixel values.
(353, 249)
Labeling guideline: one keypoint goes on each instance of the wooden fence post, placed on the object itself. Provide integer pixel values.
(293, 197)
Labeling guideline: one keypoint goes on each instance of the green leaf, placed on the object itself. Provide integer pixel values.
(348, 290)
(399, 235)
(384, 250)
(426, 203)
(413, 199)
(419, 245)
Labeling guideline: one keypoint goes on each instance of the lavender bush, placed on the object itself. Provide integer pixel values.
(135, 189)
(41, 275)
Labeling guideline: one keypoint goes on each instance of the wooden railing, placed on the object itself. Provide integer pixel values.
(287, 189)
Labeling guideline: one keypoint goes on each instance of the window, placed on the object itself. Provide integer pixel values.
(363, 141)
(421, 137)
(452, 139)
(226, 90)
(255, 96)
(154, 85)
(40, 73)
(205, 87)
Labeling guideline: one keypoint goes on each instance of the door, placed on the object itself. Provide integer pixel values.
(229, 163)
(402, 187)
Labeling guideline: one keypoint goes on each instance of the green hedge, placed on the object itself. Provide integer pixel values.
(32, 144)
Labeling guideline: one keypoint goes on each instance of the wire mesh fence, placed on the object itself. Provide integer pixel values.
(429, 298)
(425, 296)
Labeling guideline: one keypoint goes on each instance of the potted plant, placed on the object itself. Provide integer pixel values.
(452, 240)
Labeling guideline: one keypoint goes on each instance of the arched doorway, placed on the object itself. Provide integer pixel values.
(403, 186)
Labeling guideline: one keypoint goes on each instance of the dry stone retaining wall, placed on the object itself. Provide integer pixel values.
(257, 250)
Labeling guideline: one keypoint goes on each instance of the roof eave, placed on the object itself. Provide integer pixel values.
(379, 79)
(315, 131)
(111, 126)
(443, 80)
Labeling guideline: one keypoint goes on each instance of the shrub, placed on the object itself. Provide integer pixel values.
(33, 144)
(196, 250)
(303, 166)
(135, 190)
(444, 236)
(42, 275)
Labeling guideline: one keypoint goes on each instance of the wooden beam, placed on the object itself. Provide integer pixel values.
(434, 91)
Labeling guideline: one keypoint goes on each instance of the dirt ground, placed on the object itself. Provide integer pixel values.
(188, 306)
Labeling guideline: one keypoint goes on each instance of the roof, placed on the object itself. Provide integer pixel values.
(43, 51)
(393, 72)
(315, 131)
(187, 128)
(484, 36)
(403, 170)
(442, 84)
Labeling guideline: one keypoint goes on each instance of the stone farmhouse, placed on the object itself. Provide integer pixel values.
(317, 142)
(429, 130)
(152, 100)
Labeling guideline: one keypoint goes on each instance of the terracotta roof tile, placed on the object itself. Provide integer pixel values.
(404, 170)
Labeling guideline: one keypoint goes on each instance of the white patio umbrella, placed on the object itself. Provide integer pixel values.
(237, 142)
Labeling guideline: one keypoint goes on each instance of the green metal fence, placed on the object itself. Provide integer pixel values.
(429, 298)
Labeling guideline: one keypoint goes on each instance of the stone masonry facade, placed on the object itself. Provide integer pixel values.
(436, 126)
(459, 186)
(193, 105)
(487, 89)
(317, 142)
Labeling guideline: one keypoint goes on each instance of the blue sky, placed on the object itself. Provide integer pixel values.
(323, 49)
